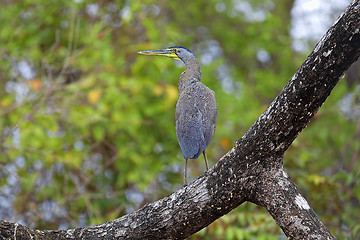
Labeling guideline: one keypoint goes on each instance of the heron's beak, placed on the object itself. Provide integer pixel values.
(163, 52)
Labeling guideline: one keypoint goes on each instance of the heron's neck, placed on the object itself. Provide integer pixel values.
(191, 75)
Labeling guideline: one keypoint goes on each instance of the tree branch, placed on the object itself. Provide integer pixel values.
(252, 170)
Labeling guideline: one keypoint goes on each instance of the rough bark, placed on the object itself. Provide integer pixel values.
(252, 170)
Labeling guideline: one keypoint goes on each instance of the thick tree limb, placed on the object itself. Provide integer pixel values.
(252, 170)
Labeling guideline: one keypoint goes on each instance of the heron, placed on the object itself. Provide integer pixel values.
(196, 109)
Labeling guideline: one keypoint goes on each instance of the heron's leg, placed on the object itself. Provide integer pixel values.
(185, 172)
(206, 162)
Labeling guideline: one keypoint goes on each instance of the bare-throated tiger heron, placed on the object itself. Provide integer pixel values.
(196, 110)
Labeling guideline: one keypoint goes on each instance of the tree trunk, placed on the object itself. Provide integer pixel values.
(251, 171)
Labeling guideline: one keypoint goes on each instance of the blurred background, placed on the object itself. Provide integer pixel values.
(87, 125)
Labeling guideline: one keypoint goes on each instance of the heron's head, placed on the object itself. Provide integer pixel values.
(177, 52)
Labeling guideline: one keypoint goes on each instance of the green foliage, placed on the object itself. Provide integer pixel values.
(249, 222)
(89, 135)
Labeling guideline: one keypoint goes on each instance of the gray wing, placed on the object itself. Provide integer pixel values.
(195, 119)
